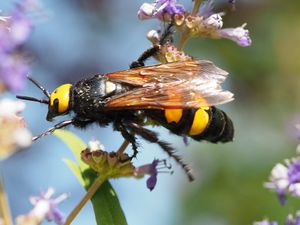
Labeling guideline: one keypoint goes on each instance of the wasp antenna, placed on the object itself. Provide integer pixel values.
(28, 98)
(44, 90)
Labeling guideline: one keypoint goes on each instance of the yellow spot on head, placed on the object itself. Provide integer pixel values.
(173, 115)
(201, 119)
(62, 94)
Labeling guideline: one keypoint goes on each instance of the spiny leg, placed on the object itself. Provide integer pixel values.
(146, 54)
(119, 126)
(52, 129)
(152, 137)
(75, 121)
(153, 50)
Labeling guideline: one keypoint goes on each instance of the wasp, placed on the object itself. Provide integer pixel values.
(180, 96)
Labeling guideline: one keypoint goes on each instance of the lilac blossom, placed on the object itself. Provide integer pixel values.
(14, 31)
(45, 207)
(210, 25)
(153, 169)
(15, 136)
(265, 222)
(240, 35)
(160, 9)
(285, 179)
(290, 220)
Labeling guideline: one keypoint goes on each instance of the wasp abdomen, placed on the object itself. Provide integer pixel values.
(219, 128)
(205, 123)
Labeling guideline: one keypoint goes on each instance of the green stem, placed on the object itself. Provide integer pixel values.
(185, 35)
(91, 191)
(4, 208)
(183, 39)
(196, 7)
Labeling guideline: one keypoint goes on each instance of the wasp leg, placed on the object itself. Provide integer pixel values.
(81, 123)
(52, 129)
(153, 50)
(119, 126)
(77, 122)
(153, 137)
(146, 55)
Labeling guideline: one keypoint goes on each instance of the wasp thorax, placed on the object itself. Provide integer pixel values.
(59, 101)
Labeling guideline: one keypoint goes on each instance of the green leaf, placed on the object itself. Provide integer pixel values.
(75, 144)
(75, 169)
(105, 202)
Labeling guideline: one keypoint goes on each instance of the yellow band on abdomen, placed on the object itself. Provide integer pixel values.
(173, 115)
(201, 119)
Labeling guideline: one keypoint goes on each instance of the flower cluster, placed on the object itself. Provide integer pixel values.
(45, 207)
(118, 164)
(285, 179)
(15, 135)
(202, 22)
(168, 52)
(14, 31)
(290, 220)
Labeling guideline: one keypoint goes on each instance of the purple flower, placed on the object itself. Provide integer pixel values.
(153, 169)
(171, 7)
(160, 9)
(14, 31)
(210, 25)
(45, 207)
(20, 25)
(285, 179)
(294, 172)
(265, 222)
(13, 71)
(240, 35)
(290, 220)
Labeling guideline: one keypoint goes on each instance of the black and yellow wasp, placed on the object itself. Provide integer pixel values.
(180, 96)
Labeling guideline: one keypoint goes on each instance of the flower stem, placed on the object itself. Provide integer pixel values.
(91, 191)
(183, 39)
(4, 209)
(123, 147)
(196, 7)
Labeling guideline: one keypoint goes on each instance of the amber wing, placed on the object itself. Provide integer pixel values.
(189, 84)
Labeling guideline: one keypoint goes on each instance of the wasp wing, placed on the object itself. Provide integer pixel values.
(188, 84)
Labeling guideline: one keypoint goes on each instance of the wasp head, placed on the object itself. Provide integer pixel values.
(59, 101)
